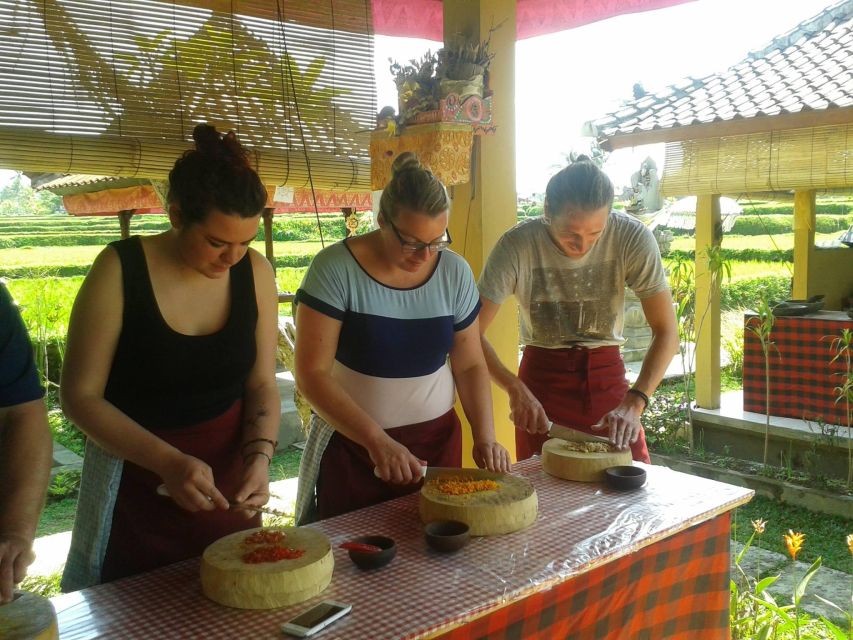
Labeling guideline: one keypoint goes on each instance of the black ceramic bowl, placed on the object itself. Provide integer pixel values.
(625, 477)
(375, 559)
(446, 535)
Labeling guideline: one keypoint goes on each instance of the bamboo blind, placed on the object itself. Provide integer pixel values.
(115, 87)
(811, 158)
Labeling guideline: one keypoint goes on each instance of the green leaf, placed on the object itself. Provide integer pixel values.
(837, 632)
(766, 582)
(801, 587)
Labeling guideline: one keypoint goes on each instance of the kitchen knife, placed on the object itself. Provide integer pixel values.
(163, 491)
(573, 435)
(430, 473)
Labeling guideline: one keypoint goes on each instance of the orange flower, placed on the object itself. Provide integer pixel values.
(850, 543)
(758, 525)
(794, 542)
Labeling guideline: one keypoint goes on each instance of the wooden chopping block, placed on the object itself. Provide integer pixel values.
(559, 461)
(28, 617)
(226, 579)
(512, 506)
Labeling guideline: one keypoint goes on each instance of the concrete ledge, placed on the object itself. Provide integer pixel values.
(805, 497)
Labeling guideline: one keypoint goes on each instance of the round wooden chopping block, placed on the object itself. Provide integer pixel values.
(226, 579)
(559, 461)
(28, 617)
(512, 506)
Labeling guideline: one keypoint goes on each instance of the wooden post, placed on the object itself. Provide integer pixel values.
(804, 226)
(268, 247)
(485, 208)
(124, 222)
(350, 220)
(709, 233)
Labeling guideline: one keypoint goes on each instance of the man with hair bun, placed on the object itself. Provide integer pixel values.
(386, 332)
(568, 270)
(170, 372)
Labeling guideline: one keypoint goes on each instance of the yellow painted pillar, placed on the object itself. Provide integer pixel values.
(709, 233)
(485, 207)
(804, 225)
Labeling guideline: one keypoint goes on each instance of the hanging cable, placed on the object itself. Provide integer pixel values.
(286, 57)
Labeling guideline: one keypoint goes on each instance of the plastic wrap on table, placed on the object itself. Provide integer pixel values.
(580, 526)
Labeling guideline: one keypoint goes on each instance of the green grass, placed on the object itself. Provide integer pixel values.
(825, 535)
(57, 516)
(285, 464)
(782, 241)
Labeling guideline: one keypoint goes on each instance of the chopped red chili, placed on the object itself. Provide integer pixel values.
(265, 537)
(271, 554)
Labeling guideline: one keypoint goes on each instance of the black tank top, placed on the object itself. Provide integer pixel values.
(164, 379)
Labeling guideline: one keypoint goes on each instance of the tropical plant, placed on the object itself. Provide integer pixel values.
(762, 325)
(843, 347)
(690, 320)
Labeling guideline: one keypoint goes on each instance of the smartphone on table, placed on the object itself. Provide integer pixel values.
(316, 618)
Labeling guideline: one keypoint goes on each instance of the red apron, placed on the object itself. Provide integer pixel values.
(346, 481)
(576, 387)
(150, 531)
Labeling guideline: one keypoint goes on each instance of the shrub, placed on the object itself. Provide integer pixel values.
(760, 255)
(747, 294)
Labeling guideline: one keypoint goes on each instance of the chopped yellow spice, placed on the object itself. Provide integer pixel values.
(461, 486)
(588, 447)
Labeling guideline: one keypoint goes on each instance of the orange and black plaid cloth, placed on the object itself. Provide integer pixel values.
(676, 589)
(802, 375)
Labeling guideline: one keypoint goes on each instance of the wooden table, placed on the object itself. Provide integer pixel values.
(650, 563)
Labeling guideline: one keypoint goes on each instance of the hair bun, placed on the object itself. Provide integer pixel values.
(581, 157)
(406, 161)
(216, 145)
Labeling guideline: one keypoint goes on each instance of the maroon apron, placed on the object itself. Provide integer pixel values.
(346, 481)
(576, 387)
(149, 530)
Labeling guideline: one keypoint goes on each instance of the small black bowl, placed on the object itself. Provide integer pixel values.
(375, 559)
(447, 535)
(625, 477)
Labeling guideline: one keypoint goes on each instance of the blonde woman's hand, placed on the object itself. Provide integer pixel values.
(492, 455)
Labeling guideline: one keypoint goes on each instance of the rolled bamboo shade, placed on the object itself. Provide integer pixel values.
(115, 87)
(811, 158)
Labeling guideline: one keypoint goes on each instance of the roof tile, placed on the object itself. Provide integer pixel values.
(809, 67)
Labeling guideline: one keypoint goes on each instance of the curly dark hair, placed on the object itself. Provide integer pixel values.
(215, 175)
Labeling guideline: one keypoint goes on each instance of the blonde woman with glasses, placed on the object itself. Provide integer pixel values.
(386, 333)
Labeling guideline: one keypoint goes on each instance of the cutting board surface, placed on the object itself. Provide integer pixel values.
(511, 506)
(228, 580)
(559, 459)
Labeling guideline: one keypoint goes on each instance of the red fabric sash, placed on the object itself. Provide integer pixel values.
(576, 388)
(346, 481)
(149, 530)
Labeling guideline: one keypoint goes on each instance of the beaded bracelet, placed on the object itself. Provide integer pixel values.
(645, 398)
(274, 443)
(257, 453)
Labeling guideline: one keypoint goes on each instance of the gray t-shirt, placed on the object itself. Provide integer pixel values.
(567, 302)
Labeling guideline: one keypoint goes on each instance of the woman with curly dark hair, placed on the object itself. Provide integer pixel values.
(170, 372)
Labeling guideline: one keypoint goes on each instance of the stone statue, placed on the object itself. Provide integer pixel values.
(645, 194)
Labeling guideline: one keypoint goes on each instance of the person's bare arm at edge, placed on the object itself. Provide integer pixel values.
(93, 333)
(261, 400)
(475, 393)
(316, 343)
(26, 450)
(526, 411)
(623, 423)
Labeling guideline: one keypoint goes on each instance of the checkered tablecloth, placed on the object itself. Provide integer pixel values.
(581, 527)
(802, 375)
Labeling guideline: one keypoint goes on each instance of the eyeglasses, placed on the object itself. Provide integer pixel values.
(416, 247)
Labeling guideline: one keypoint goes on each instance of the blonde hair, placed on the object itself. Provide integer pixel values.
(412, 187)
